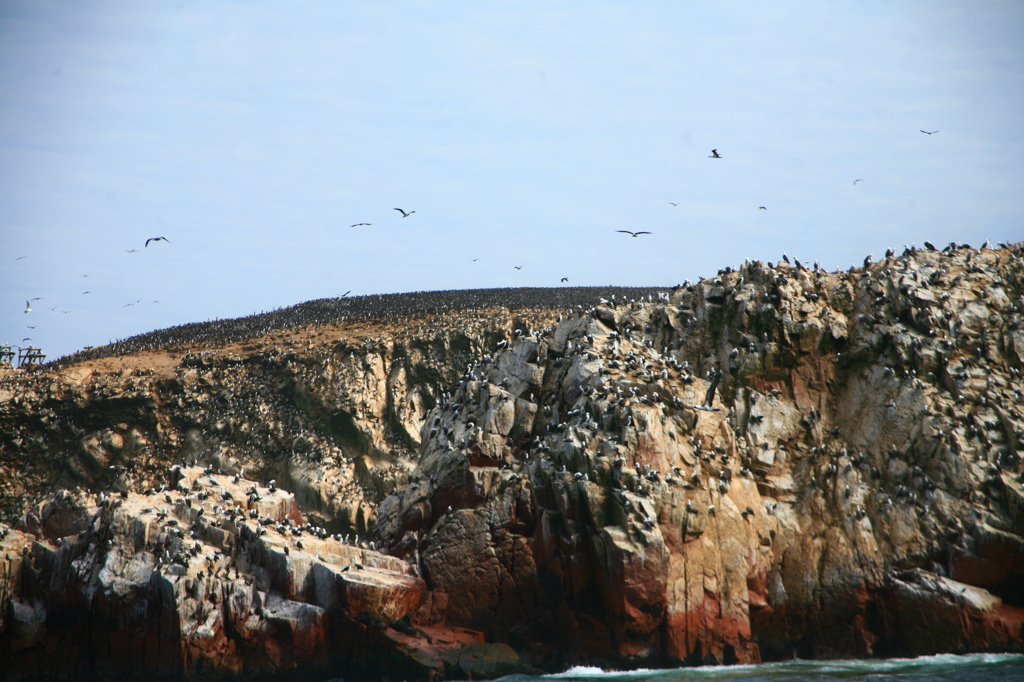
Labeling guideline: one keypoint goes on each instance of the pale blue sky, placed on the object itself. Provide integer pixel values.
(253, 134)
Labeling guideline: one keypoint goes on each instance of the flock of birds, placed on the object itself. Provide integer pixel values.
(714, 155)
(34, 354)
(404, 214)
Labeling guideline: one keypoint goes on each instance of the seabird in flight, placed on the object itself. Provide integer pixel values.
(361, 224)
(929, 133)
(715, 154)
(405, 214)
(28, 307)
(157, 239)
(635, 234)
(673, 203)
(518, 267)
(763, 208)
(857, 180)
(565, 279)
(132, 250)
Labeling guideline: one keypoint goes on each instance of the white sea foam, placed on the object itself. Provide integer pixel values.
(921, 667)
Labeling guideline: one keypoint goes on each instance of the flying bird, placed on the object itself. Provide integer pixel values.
(518, 267)
(28, 307)
(715, 154)
(361, 224)
(565, 279)
(157, 239)
(404, 213)
(132, 250)
(673, 203)
(346, 293)
(763, 208)
(21, 258)
(474, 260)
(635, 234)
(929, 133)
(857, 180)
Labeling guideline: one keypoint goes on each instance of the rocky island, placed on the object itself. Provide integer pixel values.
(777, 461)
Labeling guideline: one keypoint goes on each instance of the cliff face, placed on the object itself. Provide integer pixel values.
(545, 478)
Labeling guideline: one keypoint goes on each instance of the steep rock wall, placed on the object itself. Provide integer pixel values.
(542, 480)
(861, 466)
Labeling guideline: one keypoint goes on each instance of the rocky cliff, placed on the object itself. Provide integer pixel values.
(466, 492)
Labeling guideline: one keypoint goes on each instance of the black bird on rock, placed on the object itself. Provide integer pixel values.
(709, 397)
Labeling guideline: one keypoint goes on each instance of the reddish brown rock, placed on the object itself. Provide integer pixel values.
(550, 480)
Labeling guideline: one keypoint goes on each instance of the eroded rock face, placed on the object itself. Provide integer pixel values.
(333, 414)
(213, 575)
(544, 482)
(859, 476)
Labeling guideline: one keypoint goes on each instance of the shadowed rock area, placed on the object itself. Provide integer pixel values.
(465, 490)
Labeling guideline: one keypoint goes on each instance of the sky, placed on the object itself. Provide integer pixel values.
(252, 136)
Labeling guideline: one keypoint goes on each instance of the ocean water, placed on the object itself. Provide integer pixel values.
(971, 668)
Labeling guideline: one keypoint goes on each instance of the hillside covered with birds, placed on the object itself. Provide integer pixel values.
(776, 461)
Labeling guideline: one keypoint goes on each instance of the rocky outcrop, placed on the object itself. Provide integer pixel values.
(856, 482)
(548, 487)
(211, 576)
